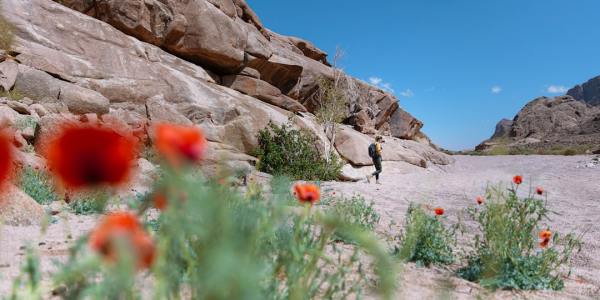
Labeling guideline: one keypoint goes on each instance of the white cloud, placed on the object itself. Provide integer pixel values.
(496, 89)
(407, 93)
(556, 89)
(387, 87)
(375, 81)
(378, 82)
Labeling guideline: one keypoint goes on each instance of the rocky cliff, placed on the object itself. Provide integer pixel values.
(568, 123)
(588, 92)
(206, 62)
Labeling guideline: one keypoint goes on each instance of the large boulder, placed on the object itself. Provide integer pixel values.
(8, 74)
(404, 125)
(353, 146)
(82, 101)
(19, 209)
(37, 84)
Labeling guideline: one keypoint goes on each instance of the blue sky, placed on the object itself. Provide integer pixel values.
(458, 65)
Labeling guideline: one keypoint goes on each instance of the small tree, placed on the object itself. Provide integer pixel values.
(332, 100)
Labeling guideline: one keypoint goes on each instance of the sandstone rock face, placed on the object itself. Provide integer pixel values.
(588, 92)
(18, 209)
(262, 90)
(226, 37)
(98, 73)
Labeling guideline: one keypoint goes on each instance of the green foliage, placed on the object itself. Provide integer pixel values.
(333, 101)
(6, 34)
(507, 254)
(284, 150)
(425, 240)
(215, 243)
(25, 122)
(38, 185)
(27, 284)
(356, 211)
(12, 94)
(89, 204)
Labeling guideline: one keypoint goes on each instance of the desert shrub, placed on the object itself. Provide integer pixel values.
(355, 210)
(12, 95)
(569, 152)
(38, 185)
(25, 122)
(507, 254)
(6, 34)
(212, 242)
(284, 150)
(89, 203)
(425, 240)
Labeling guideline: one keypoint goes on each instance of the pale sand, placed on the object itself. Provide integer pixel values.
(574, 193)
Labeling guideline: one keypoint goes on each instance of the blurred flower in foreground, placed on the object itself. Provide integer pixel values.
(123, 227)
(439, 211)
(6, 157)
(545, 235)
(179, 144)
(539, 190)
(518, 179)
(480, 200)
(160, 201)
(307, 193)
(90, 156)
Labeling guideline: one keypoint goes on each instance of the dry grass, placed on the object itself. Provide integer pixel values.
(6, 34)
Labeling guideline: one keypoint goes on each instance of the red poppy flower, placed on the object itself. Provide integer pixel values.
(160, 201)
(91, 156)
(439, 211)
(545, 234)
(307, 193)
(544, 243)
(480, 200)
(6, 157)
(539, 190)
(124, 227)
(518, 179)
(179, 144)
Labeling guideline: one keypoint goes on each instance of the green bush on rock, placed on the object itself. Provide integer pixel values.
(283, 150)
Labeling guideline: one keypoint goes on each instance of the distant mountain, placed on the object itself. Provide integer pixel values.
(588, 92)
(567, 124)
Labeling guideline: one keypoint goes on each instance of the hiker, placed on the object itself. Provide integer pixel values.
(375, 154)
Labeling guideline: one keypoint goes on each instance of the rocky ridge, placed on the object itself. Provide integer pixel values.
(558, 125)
(206, 63)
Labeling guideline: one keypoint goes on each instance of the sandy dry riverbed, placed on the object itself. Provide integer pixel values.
(573, 193)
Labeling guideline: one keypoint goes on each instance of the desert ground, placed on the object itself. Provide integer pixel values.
(573, 193)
